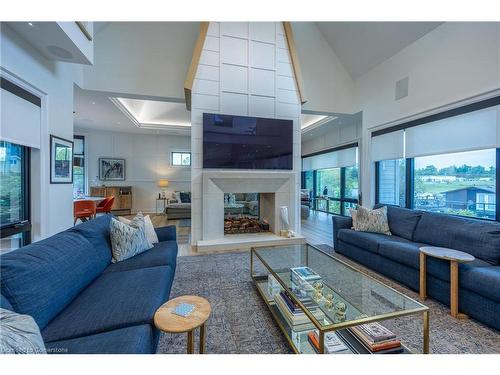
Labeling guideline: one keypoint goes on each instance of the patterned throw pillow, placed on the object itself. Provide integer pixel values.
(149, 229)
(365, 220)
(128, 240)
(19, 334)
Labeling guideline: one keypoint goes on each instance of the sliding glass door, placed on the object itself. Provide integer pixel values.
(14, 196)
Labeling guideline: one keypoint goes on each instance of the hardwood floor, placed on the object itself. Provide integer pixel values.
(317, 229)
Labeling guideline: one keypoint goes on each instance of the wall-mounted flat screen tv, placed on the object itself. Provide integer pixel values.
(241, 142)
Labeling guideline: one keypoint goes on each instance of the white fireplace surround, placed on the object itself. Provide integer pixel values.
(276, 188)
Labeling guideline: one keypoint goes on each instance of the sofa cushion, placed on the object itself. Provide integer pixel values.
(162, 254)
(366, 240)
(402, 221)
(115, 300)
(41, 279)
(5, 304)
(130, 340)
(477, 237)
(407, 253)
(96, 231)
(482, 280)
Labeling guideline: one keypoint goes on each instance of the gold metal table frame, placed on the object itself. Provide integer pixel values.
(424, 310)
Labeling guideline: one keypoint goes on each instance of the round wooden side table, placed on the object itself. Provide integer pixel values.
(455, 257)
(165, 320)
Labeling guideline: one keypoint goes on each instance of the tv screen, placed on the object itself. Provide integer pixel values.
(242, 142)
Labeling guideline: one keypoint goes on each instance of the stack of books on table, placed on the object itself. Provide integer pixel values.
(333, 344)
(294, 315)
(377, 338)
(303, 277)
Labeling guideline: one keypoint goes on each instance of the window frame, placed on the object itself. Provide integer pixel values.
(410, 162)
(181, 153)
(23, 226)
(82, 137)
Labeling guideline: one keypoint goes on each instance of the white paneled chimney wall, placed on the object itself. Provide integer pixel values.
(245, 69)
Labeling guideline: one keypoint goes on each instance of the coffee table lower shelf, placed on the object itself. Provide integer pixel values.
(298, 340)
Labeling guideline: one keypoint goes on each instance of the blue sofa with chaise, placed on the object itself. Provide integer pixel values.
(81, 301)
(397, 256)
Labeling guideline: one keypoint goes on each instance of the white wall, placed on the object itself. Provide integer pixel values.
(142, 58)
(341, 131)
(52, 205)
(328, 85)
(147, 159)
(453, 62)
(245, 69)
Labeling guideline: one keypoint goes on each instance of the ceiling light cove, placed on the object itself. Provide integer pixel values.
(309, 121)
(154, 114)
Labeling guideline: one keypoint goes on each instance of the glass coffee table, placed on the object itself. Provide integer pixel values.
(336, 297)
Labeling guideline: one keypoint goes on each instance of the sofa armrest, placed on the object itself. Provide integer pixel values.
(340, 222)
(166, 233)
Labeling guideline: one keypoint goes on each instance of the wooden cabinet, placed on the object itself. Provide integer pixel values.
(122, 194)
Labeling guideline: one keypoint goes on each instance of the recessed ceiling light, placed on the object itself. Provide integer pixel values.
(118, 122)
(30, 23)
(93, 103)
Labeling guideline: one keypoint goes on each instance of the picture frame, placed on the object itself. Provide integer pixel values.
(111, 169)
(61, 160)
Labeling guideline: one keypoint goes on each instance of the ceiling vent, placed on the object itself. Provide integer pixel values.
(401, 89)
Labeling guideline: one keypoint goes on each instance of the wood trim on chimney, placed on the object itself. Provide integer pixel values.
(295, 61)
(195, 60)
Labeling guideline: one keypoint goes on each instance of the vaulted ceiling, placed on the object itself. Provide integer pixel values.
(153, 62)
(361, 46)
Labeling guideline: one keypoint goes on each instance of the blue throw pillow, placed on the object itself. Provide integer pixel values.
(185, 197)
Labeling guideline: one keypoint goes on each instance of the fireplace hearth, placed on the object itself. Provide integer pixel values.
(245, 224)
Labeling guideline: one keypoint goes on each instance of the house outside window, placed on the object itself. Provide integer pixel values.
(460, 183)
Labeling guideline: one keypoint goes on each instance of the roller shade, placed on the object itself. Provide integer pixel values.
(20, 120)
(335, 159)
(388, 146)
(471, 131)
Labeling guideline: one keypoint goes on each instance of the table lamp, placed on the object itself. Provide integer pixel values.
(163, 183)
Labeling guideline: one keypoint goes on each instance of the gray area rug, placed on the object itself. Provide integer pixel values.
(241, 323)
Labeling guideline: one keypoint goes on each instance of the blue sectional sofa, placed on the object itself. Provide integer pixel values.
(81, 301)
(397, 256)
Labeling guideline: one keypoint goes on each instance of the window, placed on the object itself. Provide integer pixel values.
(434, 173)
(391, 182)
(351, 182)
(78, 166)
(333, 178)
(14, 196)
(181, 159)
(462, 183)
(328, 183)
(308, 180)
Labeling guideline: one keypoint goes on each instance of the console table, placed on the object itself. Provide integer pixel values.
(122, 194)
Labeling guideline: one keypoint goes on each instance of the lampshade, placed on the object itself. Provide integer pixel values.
(163, 182)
